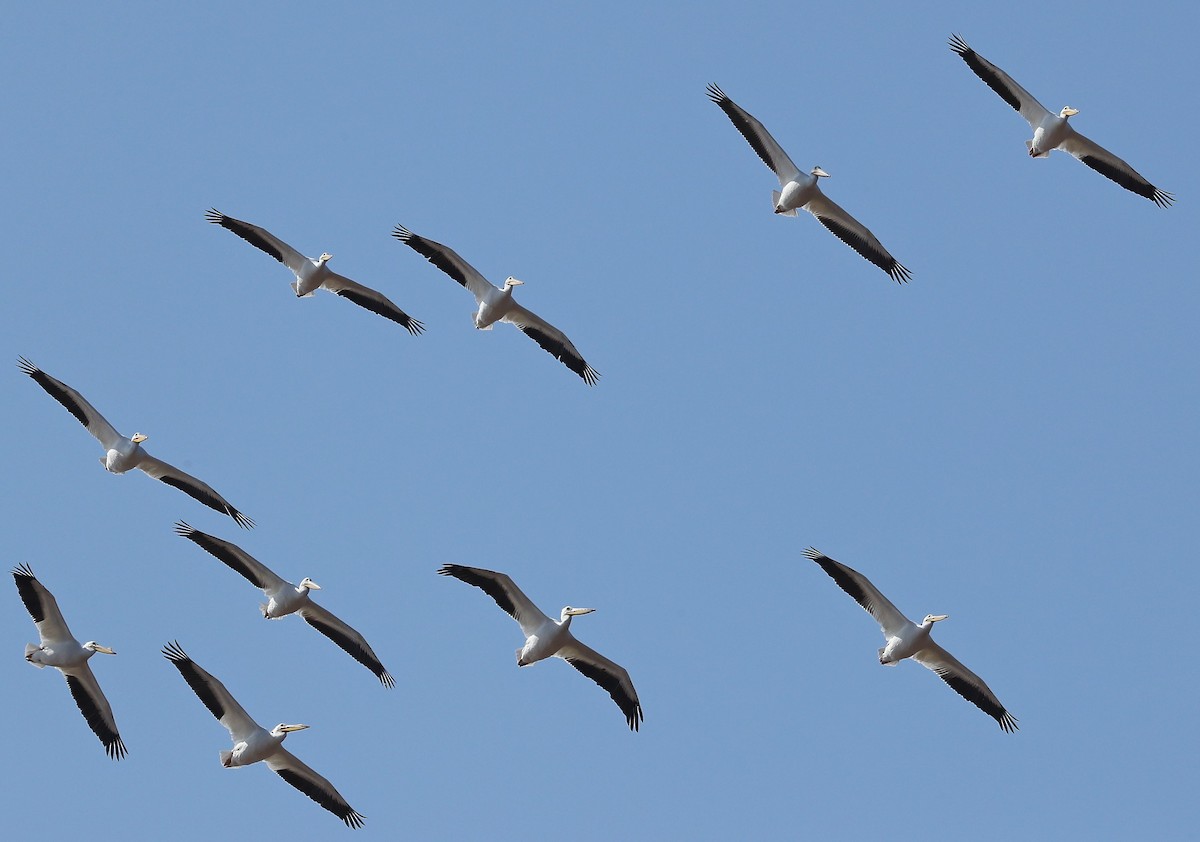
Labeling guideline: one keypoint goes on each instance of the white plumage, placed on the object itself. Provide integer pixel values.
(123, 453)
(252, 742)
(497, 305)
(802, 190)
(59, 648)
(314, 273)
(1052, 131)
(284, 598)
(906, 639)
(547, 638)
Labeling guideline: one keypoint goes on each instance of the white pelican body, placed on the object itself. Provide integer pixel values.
(906, 639)
(497, 305)
(59, 648)
(801, 190)
(256, 744)
(548, 638)
(252, 742)
(287, 598)
(123, 453)
(314, 273)
(284, 598)
(1052, 131)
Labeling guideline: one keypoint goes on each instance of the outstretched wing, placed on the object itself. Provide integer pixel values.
(372, 300)
(966, 683)
(756, 135)
(219, 701)
(95, 708)
(192, 487)
(353, 643)
(75, 404)
(302, 777)
(447, 259)
(1000, 82)
(1110, 166)
(608, 674)
(42, 606)
(260, 238)
(551, 339)
(502, 589)
(233, 557)
(891, 621)
(854, 234)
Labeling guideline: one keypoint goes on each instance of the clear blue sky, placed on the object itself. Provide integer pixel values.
(1009, 439)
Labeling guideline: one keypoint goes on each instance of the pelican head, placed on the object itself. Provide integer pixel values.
(310, 584)
(930, 619)
(96, 647)
(325, 258)
(283, 729)
(575, 612)
(1068, 111)
(138, 438)
(510, 281)
(819, 173)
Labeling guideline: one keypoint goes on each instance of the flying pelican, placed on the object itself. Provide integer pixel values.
(313, 274)
(804, 191)
(546, 638)
(121, 453)
(1051, 131)
(59, 648)
(284, 598)
(497, 305)
(906, 639)
(252, 742)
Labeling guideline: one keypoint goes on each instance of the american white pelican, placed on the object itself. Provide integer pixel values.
(252, 742)
(312, 275)
(803, 191)
(905, 639)
(1051, 131)
(497, 305)
(284, 598)
(545, 638)
(123, 454)
(59, 648)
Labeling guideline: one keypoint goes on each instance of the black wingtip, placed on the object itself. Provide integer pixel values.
(116, 749)
(957, 44)
(715, 93)
(240, 519)
(174, 653)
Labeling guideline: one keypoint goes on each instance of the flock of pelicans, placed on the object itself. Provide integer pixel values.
(545, 636)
